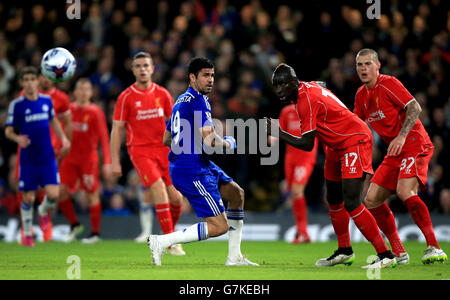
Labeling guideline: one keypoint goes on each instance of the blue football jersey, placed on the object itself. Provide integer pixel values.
(191, 111)
(31, 118)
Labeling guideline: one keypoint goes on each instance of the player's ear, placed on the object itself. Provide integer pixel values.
(192, 77)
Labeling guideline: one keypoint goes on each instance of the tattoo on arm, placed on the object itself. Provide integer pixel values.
(412, 113)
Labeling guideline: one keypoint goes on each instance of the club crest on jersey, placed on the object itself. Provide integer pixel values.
(138, 104)
(157, 102)
(45, 107)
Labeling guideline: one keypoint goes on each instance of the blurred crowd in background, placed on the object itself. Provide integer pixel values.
(246, 40)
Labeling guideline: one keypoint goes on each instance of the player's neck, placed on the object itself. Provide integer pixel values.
(82, 103)
(31, 96)
(143, 85)
(372, 83)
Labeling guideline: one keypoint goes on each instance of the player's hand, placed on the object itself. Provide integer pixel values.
(107, 171)
(23, 141)
(396, 146)
(116, 170)
(65, 149)
(272, 127)
(230, 141)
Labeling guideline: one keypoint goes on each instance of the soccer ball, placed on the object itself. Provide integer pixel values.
(58, 64)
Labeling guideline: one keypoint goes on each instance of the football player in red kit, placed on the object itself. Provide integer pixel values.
(81, 165)
(384, 103)
(143, 109)
(348, 158)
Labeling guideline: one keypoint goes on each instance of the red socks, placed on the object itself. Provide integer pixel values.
(175, 212)
(386, 221)
(67, 209)
(95, 213)
(340, 219)
(164, 217)
(368, 226)
(421, 216)
(299, 209)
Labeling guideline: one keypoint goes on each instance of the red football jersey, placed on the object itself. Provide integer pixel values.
(145, 114)
(290, 123)
(335, 125)
(88, 129)
(383, 107)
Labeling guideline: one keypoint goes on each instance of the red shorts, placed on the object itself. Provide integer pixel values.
(349, 163)
(85, 174)
(412, 162)
(151, 163)
(298, 171)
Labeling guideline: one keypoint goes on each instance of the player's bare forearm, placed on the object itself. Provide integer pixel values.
(22, 140)
(167, 138)
(115, 148)
(67, 121)
(305, 143)
(212, 139)
(58, 129)
(413, 110)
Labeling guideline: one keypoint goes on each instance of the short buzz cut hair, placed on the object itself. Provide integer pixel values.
(367, 51)
(28, 70)
(285, 69)
(197, 64)
(82, 80)
(142, 54)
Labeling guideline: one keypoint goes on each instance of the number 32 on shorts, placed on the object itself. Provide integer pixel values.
(407, 163)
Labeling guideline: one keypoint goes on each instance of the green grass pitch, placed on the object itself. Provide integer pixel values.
(120, 259)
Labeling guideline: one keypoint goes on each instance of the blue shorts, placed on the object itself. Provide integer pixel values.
(201, 187)
(33, 176)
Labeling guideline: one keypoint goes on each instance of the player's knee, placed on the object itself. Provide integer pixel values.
(404, 193)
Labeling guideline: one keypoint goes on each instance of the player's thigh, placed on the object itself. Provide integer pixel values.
(175, 196)
(387, 173)
(50, 177)
(332, 168)
(334, 192)
(28, 178)
(376, 195)
(146, 167)
(70, 175)
(356, 161)
(201, 190)
(413, 171)
(89, 176)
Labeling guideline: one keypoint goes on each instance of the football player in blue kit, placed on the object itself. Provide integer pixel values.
(28, 124)
(203, 183)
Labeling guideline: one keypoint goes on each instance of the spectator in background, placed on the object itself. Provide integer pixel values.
(117, 207)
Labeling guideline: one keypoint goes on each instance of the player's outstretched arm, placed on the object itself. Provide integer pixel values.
(212, 139)
(306, 142)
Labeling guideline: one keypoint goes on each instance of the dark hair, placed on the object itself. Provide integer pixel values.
(142, 54)
(28, 70)
(197, 64)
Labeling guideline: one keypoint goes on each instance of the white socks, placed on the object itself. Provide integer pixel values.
(146, 218)
(45, 206)
(194, 233)
(236, 222)
(26, 212)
